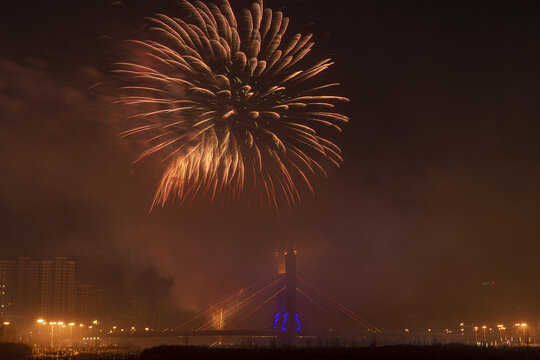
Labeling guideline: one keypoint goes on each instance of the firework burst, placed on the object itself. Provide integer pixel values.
(230, 106)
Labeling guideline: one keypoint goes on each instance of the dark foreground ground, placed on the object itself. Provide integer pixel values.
(14, 351)
(401, 352)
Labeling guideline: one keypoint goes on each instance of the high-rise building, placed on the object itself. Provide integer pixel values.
(88, 302)
(7, 282)
(27, 286)
(63, 291)
(46, 289)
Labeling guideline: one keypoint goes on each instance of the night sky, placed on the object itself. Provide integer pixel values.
(439, 192)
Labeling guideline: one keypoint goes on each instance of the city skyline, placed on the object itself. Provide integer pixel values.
(45, 289)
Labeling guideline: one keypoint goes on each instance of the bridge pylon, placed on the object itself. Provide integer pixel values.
(286, 320)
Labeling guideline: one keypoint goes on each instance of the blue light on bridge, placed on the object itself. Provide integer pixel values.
(284, 322)
(276, 320)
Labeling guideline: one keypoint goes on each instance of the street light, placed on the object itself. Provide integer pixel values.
(501, 328)
(52, 323)
(525, 337)
(71, 325)
(40, 322)
(520, 326)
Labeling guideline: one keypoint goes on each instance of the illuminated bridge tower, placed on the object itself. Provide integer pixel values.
(291, 321)
(286, 320)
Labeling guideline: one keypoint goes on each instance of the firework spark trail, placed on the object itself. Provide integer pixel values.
(229, 103)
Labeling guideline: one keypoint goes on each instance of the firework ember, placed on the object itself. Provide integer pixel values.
(230, 106)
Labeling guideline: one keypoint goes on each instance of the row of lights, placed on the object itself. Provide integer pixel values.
(476, 328)
(61, 323)
(132, 329)
(500, 326)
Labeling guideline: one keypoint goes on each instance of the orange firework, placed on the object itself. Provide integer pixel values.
(231, 106)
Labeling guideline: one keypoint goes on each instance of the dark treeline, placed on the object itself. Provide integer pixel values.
(398, 352)
(14, 351)
(401, 352)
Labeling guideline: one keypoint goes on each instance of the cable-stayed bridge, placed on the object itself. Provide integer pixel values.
(284, 298)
